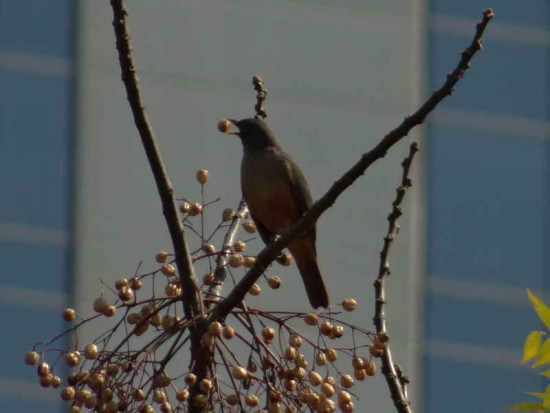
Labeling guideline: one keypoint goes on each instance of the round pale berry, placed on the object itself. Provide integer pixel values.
(224, 125)
(250, 227)
(31, 357)
(161, 256)
(69, 314)
(349, 304)
(274, 281)
(255, 289)
(202, 176)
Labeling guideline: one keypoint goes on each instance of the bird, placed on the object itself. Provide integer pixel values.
(277, 195)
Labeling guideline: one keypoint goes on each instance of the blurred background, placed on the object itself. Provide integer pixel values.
(79, 205)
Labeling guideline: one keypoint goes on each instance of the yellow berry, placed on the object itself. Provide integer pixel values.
(251, 400)
(314, 378)
(195, 209)
(240, 373)
(228, 332)
(122, 282)
(311, 319)
(360, 374)
(161, 256)
(159, 396)
(31, 357)
(285, 259)
(224, 125)
(232, 399)
(274, 281)
(236, 260)
(125, 294)
(346, 381)
(227, 214)
(200, 400)
(255, 289)
(331, 354)
(43, 369)
(138, 395)
(109, 311)
(215, 328)
(290, 353)
(327, 389)
(375, 351)
(185, 207)
(135, 283)
(321, 359)
(69, 314)
(344, 397)
(325, 328)
(349, 304)
(202, 176)
(168, 269)
(206, 385)
(68, 393)
(250, 227)
(370, 367)
(239, 246)
(268, 333)
(190, 379)
(295, 340)
(249, 261)
(182, 395)
(90, 351)
(99, 304)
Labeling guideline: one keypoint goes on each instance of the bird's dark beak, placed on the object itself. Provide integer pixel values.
(234, 122)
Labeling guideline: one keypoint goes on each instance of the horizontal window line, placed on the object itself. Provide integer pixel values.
(486, 355)
(503, 32)
(478, 291)
(38, 299)
(33, 234)
(505, 124)
(28, 63)
(27, 390)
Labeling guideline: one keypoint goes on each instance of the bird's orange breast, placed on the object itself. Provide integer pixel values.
(274, 206)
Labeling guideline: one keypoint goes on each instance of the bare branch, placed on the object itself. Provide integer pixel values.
(192, 299)
(396, 386)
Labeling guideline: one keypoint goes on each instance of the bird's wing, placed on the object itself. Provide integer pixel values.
(300, 189)
(265, 234)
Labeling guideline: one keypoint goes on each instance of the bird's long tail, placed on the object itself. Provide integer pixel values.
(304, 253)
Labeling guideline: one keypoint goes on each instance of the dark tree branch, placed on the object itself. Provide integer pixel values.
(268, 254)
(397, 389)
(191, 293)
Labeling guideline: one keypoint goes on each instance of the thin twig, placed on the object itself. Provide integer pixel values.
(261, 95)
(268, 254)
(397, 390)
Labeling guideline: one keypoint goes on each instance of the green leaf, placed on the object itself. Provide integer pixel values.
(546, 399)
(542, 309)
(527, 407)
(531, 345)
(546, 373)
(543, 355)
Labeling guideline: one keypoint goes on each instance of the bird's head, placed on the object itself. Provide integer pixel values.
(254, 133)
